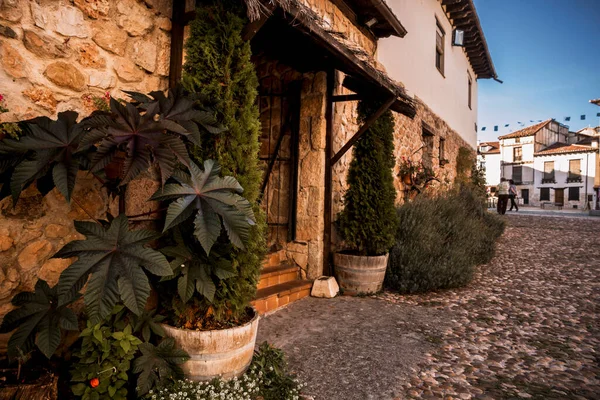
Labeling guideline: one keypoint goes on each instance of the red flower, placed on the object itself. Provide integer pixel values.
(1, 98)
(94, 382)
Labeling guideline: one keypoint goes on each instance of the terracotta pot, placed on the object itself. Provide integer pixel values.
(45, 388)
(407, 179)
(224, 353)
(360, 274)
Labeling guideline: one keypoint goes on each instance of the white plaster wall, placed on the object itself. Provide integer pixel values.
(411, 60)
(561, 170)
(492, 168)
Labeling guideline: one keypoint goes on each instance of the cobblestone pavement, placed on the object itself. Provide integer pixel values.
(527, 327)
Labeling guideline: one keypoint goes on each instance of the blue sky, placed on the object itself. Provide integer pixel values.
(547, 52)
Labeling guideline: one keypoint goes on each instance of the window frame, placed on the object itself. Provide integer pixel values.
(470, 99)
(442, 152)
(572, 177)
(520, 150)
(549, 177)
(544, 191)
(440, 49)
(571, 197)
(518, 167)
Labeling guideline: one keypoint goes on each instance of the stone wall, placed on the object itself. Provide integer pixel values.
(55, 56)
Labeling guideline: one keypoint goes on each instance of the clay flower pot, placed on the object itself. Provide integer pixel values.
(224, 353)
(360, 274)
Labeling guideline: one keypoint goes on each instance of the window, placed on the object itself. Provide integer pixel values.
(548, 172)
(470, 90)
(574, 171)
(573, 194)
(517, 154)
(518, 140)
(517, 175)
(545, 194)
(440, 37)
(442, 153)
(427, 138)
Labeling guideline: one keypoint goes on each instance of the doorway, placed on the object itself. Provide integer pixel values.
(279, 106)
(559, 196)
(525, 196)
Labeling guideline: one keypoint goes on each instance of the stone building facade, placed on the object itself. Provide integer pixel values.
(64, 55)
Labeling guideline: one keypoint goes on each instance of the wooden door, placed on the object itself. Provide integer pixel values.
(525, 196)
(559, 196)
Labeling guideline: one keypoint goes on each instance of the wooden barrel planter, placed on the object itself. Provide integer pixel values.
(224, 353)
(360, 274)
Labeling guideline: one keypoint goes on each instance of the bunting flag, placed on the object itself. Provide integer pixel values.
(521, 124)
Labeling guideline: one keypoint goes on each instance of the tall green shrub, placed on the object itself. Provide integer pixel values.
(218, 67)
(440, 240)
(368, 222)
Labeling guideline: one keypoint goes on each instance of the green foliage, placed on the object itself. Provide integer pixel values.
(38, 319)
(214, 201)
(10, 129)
(106, 352)
(218, 69)
(267, 378)
(277, 382)
(465, 160)
(141, 136)
(368, 222)
(194, 270)
(440, 240)
(158, 365)
(48, 150)
(116, 258)
(148, 324)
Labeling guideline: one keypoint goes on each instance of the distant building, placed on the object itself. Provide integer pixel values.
(597, 180)
(549, 164)
(488, 158)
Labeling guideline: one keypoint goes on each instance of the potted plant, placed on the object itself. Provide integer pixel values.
(368, 221)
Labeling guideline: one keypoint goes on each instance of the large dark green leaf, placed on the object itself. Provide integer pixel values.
(38, 319)
(158, 364)
(45, 146)
(181, 112)
(116, 258)
(214, 200)
(142, 136)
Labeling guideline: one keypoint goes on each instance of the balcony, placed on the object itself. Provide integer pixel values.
(573, 179)
(549, 180)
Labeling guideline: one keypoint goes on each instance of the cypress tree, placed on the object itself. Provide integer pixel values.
(368, 222)
(219, 68)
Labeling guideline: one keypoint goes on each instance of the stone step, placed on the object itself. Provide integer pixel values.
(274, 297)
(271, 276)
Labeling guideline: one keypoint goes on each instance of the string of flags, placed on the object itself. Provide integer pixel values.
(582, 117)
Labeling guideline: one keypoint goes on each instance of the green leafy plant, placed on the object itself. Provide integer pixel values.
(158, 365)
(214, 200)
(194, 270)
(104, 358)
(440, 240)
(50, 149)
(148, 324)
(38, 320)
(368, 222)
(117, 259)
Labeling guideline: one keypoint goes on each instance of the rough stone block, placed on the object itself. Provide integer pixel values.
(325, 286)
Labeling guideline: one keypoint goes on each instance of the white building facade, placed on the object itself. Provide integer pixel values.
(488, 158)
(551, 165)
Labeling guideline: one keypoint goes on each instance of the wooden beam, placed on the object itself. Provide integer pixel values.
(362, 130)
(176, 60)
(346, 97)
(188, 17)
(456, 7)
(328, 205)
(253, 27)
(449, 2)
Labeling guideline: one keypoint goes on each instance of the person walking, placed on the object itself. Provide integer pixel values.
(512, 195)
(503, 190)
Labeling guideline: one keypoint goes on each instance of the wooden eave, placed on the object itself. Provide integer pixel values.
(296, 36)
(387, 23)
(463, 15)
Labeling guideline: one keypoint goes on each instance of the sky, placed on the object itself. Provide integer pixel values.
(547, 52)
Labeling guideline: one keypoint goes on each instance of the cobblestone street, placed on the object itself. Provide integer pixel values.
(527, 326)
